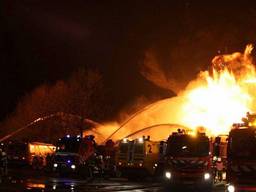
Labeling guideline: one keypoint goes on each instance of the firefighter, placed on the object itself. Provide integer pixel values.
(109, 157)
(36, 163)
(3, 162)
(91, 137)
(41, 162)
(110, 150)
(49, 161)
(219, 169)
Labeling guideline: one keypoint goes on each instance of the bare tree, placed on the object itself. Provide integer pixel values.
(81, 95)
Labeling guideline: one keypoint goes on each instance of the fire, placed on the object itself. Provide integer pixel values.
(216, 104)
(214, 100)
(218, 100)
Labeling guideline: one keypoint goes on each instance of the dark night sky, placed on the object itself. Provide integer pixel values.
(44, 41)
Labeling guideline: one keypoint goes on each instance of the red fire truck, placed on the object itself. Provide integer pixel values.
(189, 161)
(241, 157)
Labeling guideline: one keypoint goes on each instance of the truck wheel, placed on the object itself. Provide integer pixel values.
(207, 188)
(171, 187)
(86, 172)
(118, 174)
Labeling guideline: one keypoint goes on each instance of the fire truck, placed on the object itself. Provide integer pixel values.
(188, 161)
(137, 158)
(27, 153)
(241, 168)
(75, 155)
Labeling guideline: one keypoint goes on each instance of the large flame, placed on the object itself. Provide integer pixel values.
(216, 104)
(218, 100)
(215, 100)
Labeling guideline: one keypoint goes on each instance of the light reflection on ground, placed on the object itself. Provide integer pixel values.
(22, 181)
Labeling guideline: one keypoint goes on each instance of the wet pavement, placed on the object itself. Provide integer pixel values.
(26, 180)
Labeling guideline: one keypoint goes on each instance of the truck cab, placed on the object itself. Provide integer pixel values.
(73, 154)
(241, 168)
(189, 161)
(138, 156)
(241, 159)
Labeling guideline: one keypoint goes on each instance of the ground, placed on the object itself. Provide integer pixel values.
(21, 179)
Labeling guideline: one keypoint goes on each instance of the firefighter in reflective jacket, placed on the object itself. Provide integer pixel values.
(219, 169)
(3, 162)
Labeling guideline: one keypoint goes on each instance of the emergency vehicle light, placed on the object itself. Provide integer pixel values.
(73, 166)
(231, 188)
(168, 175)
(207, 176)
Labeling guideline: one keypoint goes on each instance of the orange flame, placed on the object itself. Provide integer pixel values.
(213, 100)
(224, 97)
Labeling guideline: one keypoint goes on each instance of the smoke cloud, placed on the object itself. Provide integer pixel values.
(154, 73)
